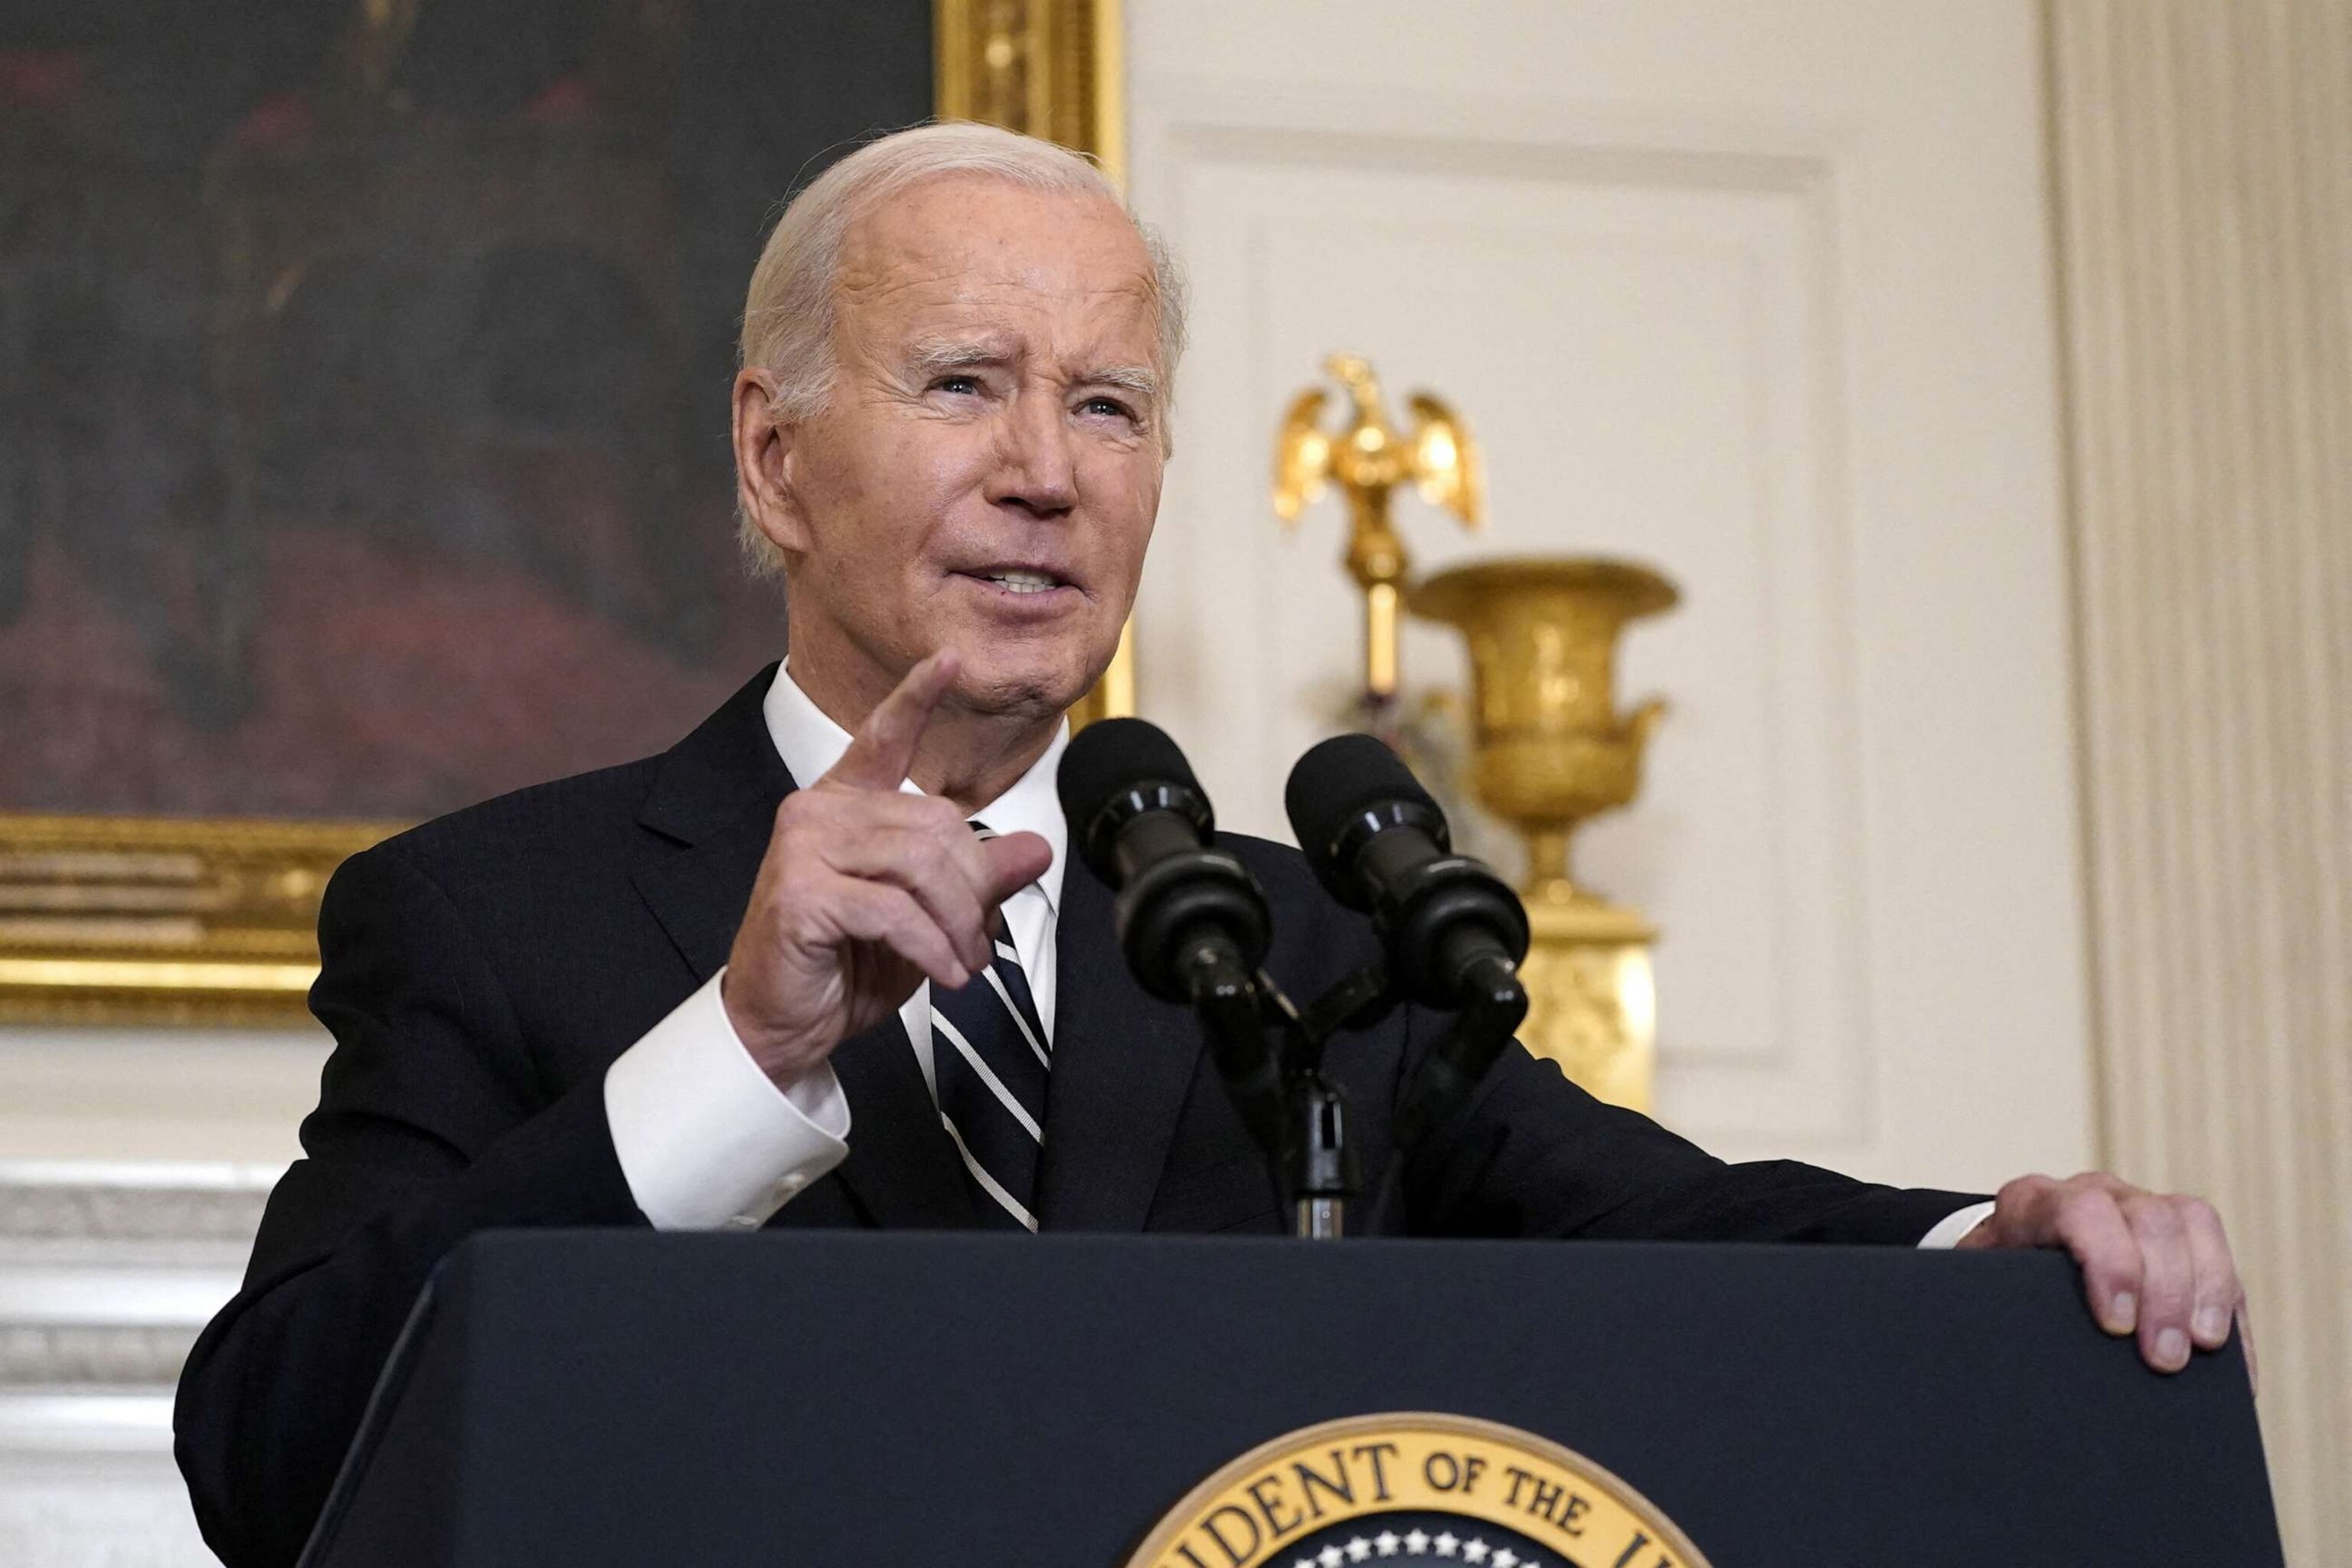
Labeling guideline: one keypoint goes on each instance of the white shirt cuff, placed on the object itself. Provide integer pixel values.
(1948, 1231)
(705, 1140)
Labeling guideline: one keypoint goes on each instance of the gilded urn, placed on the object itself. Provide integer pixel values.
(1549, 750)
(1549, 747)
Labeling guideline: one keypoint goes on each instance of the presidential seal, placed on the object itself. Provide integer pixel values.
(1414, 1487)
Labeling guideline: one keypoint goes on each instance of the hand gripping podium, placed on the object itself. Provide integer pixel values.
(594, 1398)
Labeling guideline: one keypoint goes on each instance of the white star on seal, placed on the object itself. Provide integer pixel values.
(1473, 1551)
(1446, 1543)
(1416, 1541)
(1385, 1542)
(1506, 1557)
(1359, 1549)
(1330, 1557)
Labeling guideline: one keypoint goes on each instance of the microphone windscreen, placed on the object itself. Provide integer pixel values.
(1104, 761)
(1330, 785)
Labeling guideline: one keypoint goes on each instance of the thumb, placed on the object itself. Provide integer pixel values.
(1015, 860)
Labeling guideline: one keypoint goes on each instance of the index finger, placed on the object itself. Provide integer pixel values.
(884, 747)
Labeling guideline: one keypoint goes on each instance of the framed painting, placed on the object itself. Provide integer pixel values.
(363, 381)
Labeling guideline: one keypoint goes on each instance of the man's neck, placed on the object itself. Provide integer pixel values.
(965, 757)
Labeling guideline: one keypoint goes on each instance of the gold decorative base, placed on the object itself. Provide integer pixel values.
(1592, 998)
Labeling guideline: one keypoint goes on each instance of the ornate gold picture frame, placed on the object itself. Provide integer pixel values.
(121, 920)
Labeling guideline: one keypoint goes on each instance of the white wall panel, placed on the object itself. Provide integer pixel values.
(1761, 298)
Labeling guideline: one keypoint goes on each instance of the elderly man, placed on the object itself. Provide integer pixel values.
(775, 977)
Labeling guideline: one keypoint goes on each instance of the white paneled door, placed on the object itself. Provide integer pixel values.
(1759, 294)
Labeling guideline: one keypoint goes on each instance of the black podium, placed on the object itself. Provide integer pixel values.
(592, 1398)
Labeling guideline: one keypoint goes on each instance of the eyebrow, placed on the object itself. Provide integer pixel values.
(1141, 380)
(933, 356)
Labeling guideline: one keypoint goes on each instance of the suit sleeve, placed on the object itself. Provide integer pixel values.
(1535, 1155)
(431, 1125)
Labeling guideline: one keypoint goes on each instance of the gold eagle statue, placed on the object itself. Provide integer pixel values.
(1368, 459)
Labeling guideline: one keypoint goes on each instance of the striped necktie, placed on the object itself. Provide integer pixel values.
(990, 1057)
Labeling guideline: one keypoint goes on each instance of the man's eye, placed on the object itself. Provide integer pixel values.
(1110, 406)
(958, 384)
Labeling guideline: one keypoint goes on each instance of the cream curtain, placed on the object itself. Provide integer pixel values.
(2203, 197)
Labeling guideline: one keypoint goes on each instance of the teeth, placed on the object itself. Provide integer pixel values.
(1022, 582)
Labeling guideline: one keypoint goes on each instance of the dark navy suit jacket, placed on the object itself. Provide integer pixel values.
(480, 971)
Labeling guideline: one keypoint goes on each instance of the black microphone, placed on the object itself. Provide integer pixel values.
(1455, 931)
(1142, 823)
(1190, 919)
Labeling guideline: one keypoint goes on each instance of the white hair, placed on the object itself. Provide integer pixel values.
(790, 310)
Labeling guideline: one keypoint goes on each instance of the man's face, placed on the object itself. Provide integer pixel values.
(985, 474)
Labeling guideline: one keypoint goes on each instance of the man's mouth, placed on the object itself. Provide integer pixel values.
(1020, 580)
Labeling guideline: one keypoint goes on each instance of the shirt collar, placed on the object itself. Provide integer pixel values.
(810, 744)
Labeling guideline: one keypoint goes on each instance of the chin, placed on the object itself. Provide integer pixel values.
(1021, 687)
(1031, 682)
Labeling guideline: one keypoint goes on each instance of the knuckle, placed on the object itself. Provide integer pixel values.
(939, 858)
(2022, 1192)
(2083, 1206)
(2107, 1245)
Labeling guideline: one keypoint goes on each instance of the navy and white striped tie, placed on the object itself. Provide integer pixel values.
(991, 1058)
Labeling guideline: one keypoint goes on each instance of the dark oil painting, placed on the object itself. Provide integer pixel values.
(365, 374)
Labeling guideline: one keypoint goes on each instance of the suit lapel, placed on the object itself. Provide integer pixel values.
(698, 891)
(712, 804)
(1122, 1066)
(714, 801)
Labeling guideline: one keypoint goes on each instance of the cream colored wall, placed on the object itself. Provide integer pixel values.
(132, 1166)
(114, 1095)
(1759, 294)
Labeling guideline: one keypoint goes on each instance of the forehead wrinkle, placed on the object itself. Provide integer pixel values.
(970, 267)
(981, 304)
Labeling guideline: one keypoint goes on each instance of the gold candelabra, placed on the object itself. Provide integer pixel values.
(1549, 748)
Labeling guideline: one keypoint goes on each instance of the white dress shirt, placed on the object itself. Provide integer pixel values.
(705, 1140)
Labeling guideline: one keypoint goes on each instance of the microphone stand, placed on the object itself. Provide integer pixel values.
(1270, 1053)
(1324, 1173)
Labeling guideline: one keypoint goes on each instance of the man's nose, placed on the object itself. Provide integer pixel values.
(1036, 468)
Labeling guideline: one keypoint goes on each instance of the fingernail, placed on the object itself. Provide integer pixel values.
(2123, 1312)
(2172, 1348)
(2213, 1324)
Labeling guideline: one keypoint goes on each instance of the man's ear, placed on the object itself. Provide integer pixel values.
(763, 462)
